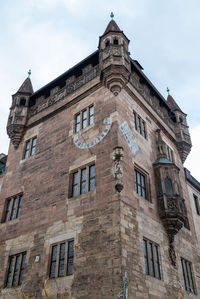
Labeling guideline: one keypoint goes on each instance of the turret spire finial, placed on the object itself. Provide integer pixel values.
(168, 90)
(112, 15)
(29, 73)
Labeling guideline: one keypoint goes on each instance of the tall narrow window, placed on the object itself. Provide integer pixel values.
(15, 270)
(78, 123)
(188, 276)
(30, 147)
(196, 202)
(62, 259)
(83, 180)
(84, 119)
(139, 125)
(13, 208)
(135, 120)
(140, 184)
(91, 115)
(144, 130)
(151, 259)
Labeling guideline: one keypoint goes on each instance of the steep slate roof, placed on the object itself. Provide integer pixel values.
(172, 103)
(112, 27)
(26, 87)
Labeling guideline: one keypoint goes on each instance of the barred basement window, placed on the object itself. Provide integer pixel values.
(15, 270)
(141, 183)
(83, 180)
(139, 125)
(188, 276)
(84, 119)
(196, 202)
(151, 259)
(62, 259)
(30, 147)
(13, 208)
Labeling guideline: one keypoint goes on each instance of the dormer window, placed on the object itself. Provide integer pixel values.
(115, 41)
(22, 102)
(107, 43)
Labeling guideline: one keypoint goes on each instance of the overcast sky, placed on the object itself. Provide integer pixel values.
(50, 36)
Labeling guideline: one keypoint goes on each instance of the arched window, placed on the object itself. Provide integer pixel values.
(180, 119)
(22, 102)
(115, 42)
(107, 43)
(168, 186)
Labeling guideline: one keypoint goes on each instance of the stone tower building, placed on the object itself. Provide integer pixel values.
(94, 186)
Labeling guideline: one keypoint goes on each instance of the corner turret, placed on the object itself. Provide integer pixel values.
(18, 112)
(114, 57)
(183, 141)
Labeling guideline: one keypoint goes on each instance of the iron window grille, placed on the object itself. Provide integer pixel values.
(62, 259)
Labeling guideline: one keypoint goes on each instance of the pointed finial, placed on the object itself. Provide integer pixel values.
(112, 15)
(168, 90)
(29, 73)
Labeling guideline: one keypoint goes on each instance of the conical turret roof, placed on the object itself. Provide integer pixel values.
(112, 27)
(26, 86)
(172, 103)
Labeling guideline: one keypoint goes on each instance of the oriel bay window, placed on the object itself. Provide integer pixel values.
(15, 270)
(151, 259)
(84, 118)
(13, 208)
(62, 259)
(83, 180)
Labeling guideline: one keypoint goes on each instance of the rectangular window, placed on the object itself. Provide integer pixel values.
(62, 259)
(13, 208)
(196, 202)
(84, 119)
(169, 152)
(139, 125)
(15, 270)
(140, 183)
(188, 276)
(151, 259)
(83, 180)
(30, 147)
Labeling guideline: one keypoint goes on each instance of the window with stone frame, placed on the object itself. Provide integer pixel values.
(30, 147)
(15, 270)
(12, 208)
(82, 180)
(62, 259)
(188, 276)
(139, 125)
(84, 118)
(151, 258)
(141, 183)
(196, 202)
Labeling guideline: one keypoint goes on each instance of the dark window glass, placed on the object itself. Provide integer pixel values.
(33, 146)
(12, 215)
(61, 260)
(70, 258)
(144, 130)
(13, 208)
(22, 102)
(139, 125)
(115, 42)
(168, 186)
(140, 184)
(107, 43)
(135, 120)
(83, 181)
(75, 184)
(15, 270)
(196, 201)
(91, 115)
(188, 276)
(151, 259)
(19, 206)
(84, 119)
(7, 210)
(26, 154)
(78, 122)
(53, 261)
(91, 177)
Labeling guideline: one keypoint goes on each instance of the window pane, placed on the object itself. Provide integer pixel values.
(84, 119)
(61, 260)
(157, 263)
(196, 201)
(139, 125)
(70, 259)
(19, 206)
(135, 120)
(13, 208)
(11, 262)
(77, 126)
(146, 257)
(53, 262)
(33, 146)
(91, 177)
(168, 186)
(22, 269)
(7, 210)
(14, 282)
(75, 184)
(144, 130)
(83, 181)
(26, 154)
(151, 259)
(91, 115)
